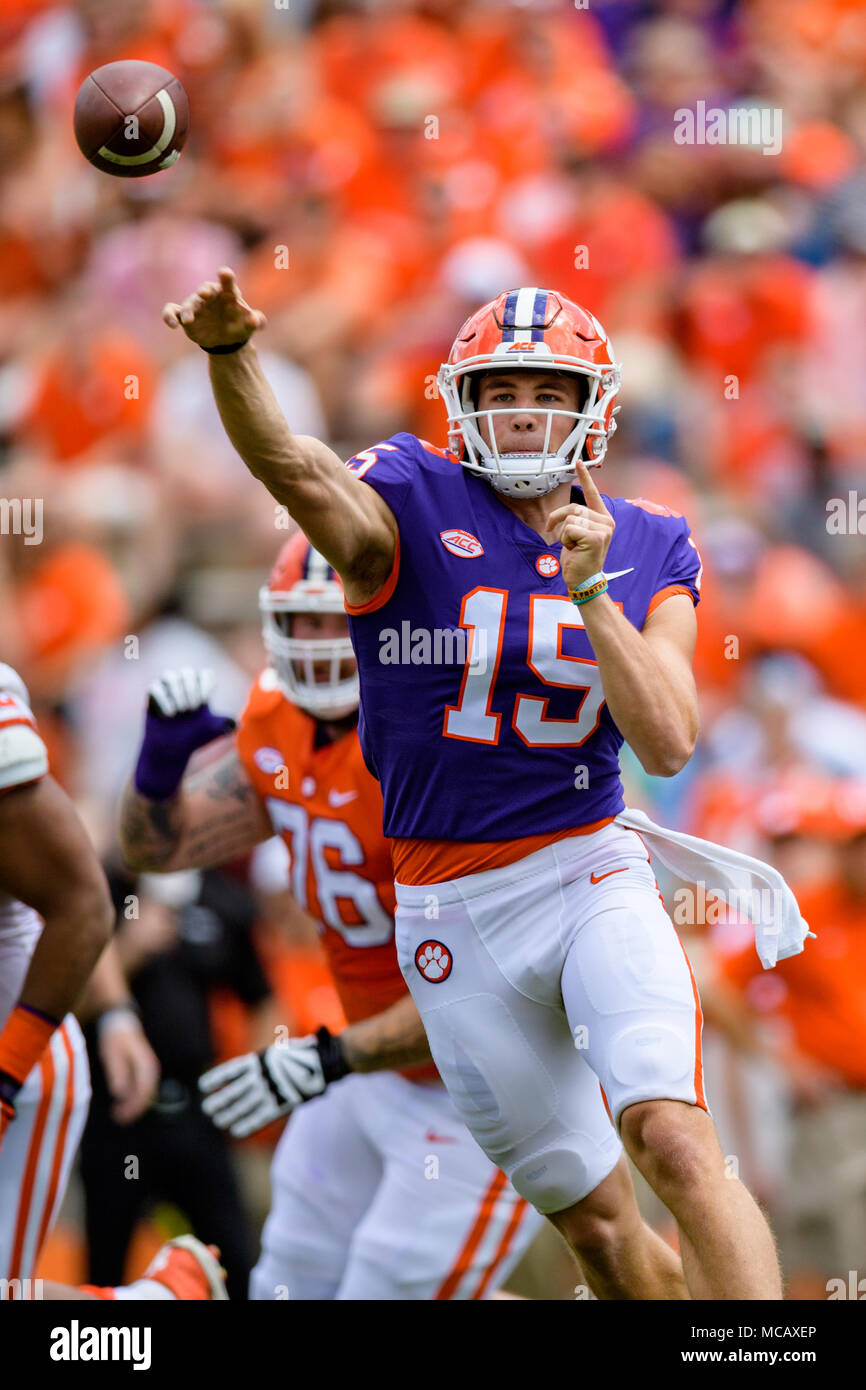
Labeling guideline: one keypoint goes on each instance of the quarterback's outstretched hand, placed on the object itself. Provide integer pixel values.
(216, 315)
(179, 720)
(249, 1092)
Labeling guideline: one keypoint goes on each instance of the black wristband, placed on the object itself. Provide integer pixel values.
(334, 1064)
(227, 347)
(9, 1087)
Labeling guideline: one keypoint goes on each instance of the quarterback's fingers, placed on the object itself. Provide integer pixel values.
(254, 318)
(171, 315)
(573, 533)
(227, 280)
(575, 509)
(591, 494)
(595, 527)
(590, 519)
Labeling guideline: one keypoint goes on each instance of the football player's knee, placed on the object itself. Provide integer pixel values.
(670, 1153)
(603, 1219)
(594, 1233)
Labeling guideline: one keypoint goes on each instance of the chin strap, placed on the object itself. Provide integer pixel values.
(538, 486)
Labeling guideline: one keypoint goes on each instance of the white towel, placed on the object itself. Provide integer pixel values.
(739, 880)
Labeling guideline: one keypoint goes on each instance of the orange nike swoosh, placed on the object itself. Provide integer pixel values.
(597, 879)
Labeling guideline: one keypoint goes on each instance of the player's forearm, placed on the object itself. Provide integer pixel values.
(255, 424)
(150, 832)
(393, 1038)
(107, 987)
(160, 837)
(72, 940)
(653, 707)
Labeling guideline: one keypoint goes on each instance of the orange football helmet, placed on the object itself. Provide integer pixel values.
(302, 581)
(804, 801)
(537, 330)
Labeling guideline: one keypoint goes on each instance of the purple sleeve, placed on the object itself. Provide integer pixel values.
(389, 468)
(681, 566)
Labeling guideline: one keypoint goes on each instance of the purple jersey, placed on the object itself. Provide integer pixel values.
(482, 711)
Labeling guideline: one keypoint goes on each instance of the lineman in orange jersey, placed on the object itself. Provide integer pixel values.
(378, 1190)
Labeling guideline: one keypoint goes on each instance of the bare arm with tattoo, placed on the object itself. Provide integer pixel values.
(215, 816)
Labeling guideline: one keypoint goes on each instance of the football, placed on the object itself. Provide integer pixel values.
(131, 119)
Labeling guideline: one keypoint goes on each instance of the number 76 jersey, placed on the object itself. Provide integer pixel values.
(328, 811)
(482, 708)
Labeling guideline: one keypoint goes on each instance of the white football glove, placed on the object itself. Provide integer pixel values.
(180, 691)
(249, 1092)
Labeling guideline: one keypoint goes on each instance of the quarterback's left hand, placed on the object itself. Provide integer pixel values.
(249, 1092)
(584, 532)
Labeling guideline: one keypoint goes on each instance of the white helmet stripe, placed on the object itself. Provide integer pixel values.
(523, 314)
(317, 567)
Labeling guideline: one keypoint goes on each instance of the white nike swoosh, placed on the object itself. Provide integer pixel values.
(340, 798)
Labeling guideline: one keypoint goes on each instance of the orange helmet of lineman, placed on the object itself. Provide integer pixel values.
(537, 330)
(813, 803)
(302, 581)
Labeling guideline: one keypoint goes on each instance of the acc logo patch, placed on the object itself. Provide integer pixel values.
(462, 543)
(433, 961)
(269, 759)
(547, 565)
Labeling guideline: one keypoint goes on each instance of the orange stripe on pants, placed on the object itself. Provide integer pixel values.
(473, 1240)
(46, 1072)
(60, 1145)
(503, 1247)
(700, 1099)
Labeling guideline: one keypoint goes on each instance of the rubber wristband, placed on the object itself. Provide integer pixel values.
(588, 597)
(226, 347)
(587, 583)
(590, 588)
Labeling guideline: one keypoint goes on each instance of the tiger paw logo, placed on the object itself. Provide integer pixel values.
(547, 566)
(433, 960)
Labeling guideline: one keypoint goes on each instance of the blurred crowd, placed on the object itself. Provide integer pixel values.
(374, 170)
